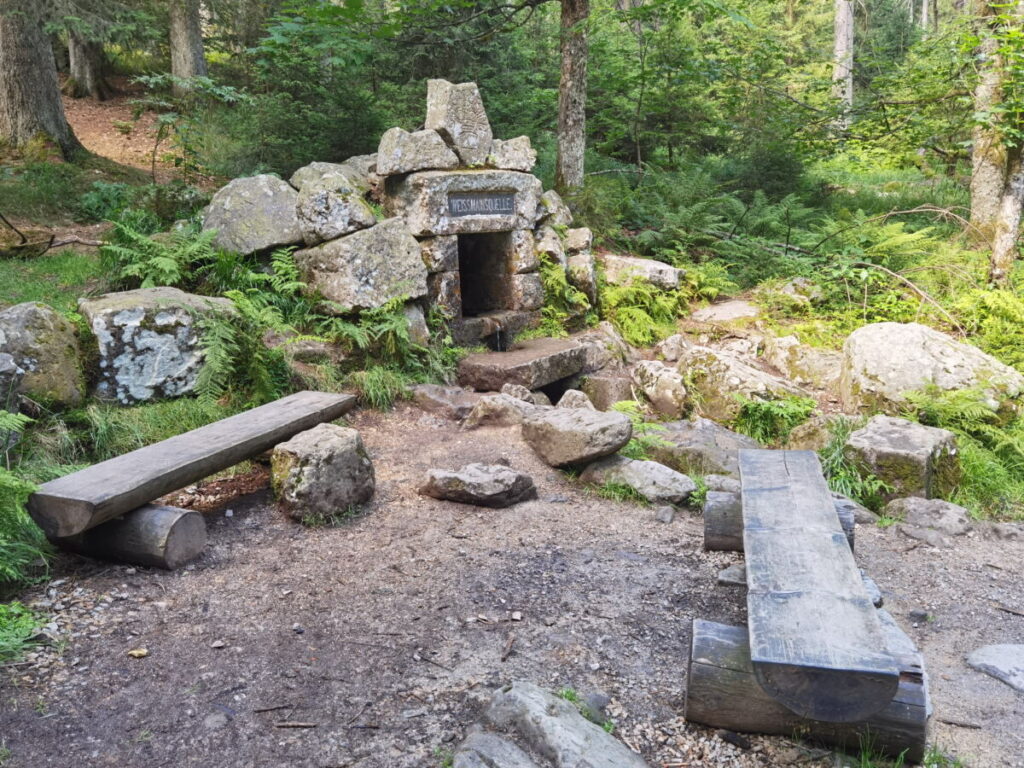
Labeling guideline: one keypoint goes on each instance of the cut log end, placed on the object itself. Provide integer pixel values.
(829, 695)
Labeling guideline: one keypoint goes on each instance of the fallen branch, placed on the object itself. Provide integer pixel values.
(290, 724)
(17, 231)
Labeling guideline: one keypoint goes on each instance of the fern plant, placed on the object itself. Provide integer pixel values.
(642, 312)
(23, 547)
(844, 477)
(564, 304)
(646, 435)
(137, 259)
(770, 421)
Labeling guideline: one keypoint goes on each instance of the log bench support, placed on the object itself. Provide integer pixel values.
(816, 658)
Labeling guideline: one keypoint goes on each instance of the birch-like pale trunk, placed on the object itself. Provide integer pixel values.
(842, 73)
(187, 59)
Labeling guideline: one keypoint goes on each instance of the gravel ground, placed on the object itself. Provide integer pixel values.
(377, 642)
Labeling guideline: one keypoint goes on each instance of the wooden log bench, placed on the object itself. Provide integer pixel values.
(75, 510)
(816, 655)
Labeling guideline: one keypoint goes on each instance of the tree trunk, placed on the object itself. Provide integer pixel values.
(842, 73)
(1007, 224)
(187, 59)
(572, 95)
(988, 154)
(30, 104)
(925, 8)
(86, 66)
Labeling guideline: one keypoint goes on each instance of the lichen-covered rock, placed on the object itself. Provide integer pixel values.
(565, 437)
(655, 482)
(352, 175)
(456, 111)
(883, 361)
(325, 214)
(802, 364)
(148, 341)
(464, 202)
(11, 376)
(501, 411)
(717, 377)
(574, 398)
(578, 240)
(672, 348)
(43, 344)
(603, 348)
(366, 269)
(488, 750)
(522, 252)
(622, 270)
(444, 291)
(486, 485)
(323, 471)
(253, 214)
(515, 154)
(699, 446)
(581, 272)
(932, 521)
(440, 254)
(663, 386)
(549, 246)
(553, 211)
(606, 389)
(729, 313)
(912, 459)
(813, 435)
(450, 402)
(556, 729)
(534, 364)
(419, 332)
(404, 152)
(526, 292)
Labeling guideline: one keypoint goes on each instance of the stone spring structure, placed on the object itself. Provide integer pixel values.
(461, 223)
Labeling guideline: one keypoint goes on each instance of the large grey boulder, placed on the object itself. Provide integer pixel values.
(326, 213)
(366, 269)
(456, 111)
(606, 389)
(557, 730)
(550, 246)
(148, 341)
(486, 485)
(604, 348)
(699, 446)
(11, 376)
(464, 202)
(1003, 662)
(488, 750)
(655, 482)
(581, 272)
(663, 386)
(45, 346)
(515, 154)
(323, 471)
(622, 270)
(716, 378)
(253, 214)
(883, 361)
(565, 437)
(353, 174)
(404, 152)
(932, 521)
(912, 459)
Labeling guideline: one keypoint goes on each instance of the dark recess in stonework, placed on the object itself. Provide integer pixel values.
(484, 272)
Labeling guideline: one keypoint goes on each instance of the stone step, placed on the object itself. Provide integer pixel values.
(534, 364)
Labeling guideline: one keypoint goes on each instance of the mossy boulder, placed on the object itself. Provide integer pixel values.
(254, 214)
(45, 345)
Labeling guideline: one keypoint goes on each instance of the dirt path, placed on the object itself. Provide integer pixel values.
(386, 634)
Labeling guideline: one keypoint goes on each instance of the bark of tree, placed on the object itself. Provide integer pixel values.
(1007, 226)
(572, 95)
(30, 104)
(86, 69)
(842, 73)
(925, 8)
(187, 59)
(988, 153)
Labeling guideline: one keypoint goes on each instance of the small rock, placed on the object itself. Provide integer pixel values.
(218, 644)
(919, 616)
(574, 398)
(733, 576)
(1003, 662)
(665, 514)
(565, 437)
(485, 485)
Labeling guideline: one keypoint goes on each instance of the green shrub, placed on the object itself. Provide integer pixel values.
(23, 547)
(641, 312)
(17, 628)
(995, 319)
(844, 477)
(770, 421)
(565, 307)
(646, 435)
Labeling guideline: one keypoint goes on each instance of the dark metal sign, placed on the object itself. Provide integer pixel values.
(481, 203)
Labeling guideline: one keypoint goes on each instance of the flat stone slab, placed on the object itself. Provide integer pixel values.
(726, 311)
(533, 364)
(1003, 662)
(485, 485)
(699, 446)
